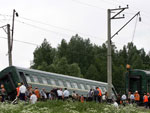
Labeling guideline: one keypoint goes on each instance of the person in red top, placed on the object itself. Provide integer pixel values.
(145, 100)
(99, 95)
(137, 97)
(82, 99)
(17, 89)
(37, 93)
(3, 92)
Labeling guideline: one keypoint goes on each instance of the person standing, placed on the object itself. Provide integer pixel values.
(96, 92)
(90, 95)
(145, 100)
(66, 94)
(33, 98)
(60, 94)
(131, 98)
(149, 100)
(129, 94)
(99, 95)
(74, 96)
(43, 94)
(82, 99)
(123, 98)
(22, 91)
(137, 97)
(17, 89)
(3, 92)
(37, 93)
(27, 94)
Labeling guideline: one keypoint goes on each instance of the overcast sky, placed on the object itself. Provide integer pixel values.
(58, 19)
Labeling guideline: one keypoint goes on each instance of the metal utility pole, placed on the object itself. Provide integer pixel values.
(109, 54)
(9, 45)
(10, 37)
(109, 59)
(13, 20)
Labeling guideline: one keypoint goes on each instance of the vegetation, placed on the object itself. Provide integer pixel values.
(79, 57)
(67, 107)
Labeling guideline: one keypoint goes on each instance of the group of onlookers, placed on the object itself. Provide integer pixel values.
(135, 97)
(33, 95)
(96, 95)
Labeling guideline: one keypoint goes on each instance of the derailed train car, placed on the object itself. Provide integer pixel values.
(11, 76)
(138, 80)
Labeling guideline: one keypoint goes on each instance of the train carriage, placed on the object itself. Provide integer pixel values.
(11, 76)
(138, 80)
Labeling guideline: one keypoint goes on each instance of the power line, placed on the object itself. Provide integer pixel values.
(87, 4)
(37, 27)
(22, 41)
(134, 29)
(66, 29)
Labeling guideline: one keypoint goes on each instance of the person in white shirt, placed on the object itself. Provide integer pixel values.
(132, 98)
(43, 94)
(115, 104)
(123, 98)
(33, 98)
(66, 94)
(22, 91)
(60, 94)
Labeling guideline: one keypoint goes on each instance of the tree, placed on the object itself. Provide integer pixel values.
(62, 66)
(62, 49)
(92, 73)
(80, 52)
(74, 70)
(45, 53)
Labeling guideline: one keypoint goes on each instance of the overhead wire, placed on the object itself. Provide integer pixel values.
(43, 29)
(87, 4)
(134, 29)
(66, 29)
(22, 41)
(61, 27)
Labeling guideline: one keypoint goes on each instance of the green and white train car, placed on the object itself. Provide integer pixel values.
(11, 76)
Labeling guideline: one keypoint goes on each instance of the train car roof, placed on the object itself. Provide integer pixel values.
(145, 71)
(56, 74)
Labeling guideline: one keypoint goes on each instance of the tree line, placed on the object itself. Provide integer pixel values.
(80, 58)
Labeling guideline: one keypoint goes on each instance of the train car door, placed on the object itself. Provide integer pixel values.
(135, 83)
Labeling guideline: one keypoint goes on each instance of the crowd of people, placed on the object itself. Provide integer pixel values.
(134, 98)
(34, 95)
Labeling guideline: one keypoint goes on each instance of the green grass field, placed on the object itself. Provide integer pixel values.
(67, 107)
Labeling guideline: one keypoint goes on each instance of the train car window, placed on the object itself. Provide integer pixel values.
(88, 87)
(102, 90)
(44, 80)
(35, 79)
(60, 83)
(68, 84)
(28, 78)
(93, 87)
(53, 82)
(82, 86)
(74, 85)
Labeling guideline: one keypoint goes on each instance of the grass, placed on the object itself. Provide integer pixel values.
(67, 107)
